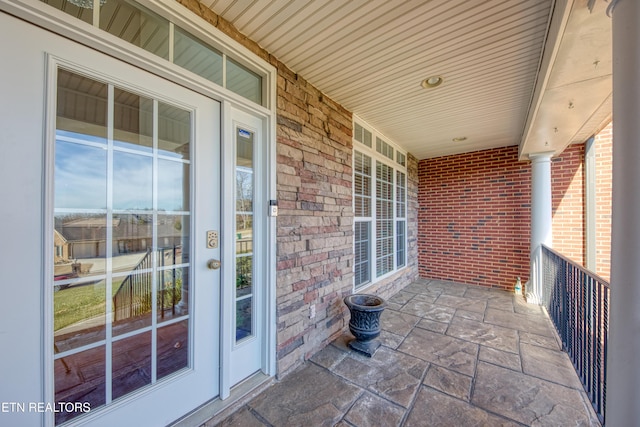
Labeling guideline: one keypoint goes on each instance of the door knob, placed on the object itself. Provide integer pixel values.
(213, 264)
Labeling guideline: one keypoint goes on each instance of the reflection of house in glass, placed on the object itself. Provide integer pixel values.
(143, 283)
(86, 237)
(60, 249)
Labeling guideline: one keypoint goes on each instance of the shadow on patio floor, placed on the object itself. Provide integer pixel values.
(452, 355)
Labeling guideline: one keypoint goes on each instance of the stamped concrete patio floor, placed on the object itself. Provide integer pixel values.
(452, 355)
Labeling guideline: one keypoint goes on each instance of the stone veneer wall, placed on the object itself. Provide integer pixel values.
(315, 219)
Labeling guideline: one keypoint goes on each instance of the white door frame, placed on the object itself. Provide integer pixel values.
(56, 21)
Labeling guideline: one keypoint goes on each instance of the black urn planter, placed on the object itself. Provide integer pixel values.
(365, 321)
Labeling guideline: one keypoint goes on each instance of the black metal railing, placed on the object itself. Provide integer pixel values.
(128, 299)
(134, 296)
(577, 301)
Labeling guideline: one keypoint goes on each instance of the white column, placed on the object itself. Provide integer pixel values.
(541, 218)
(623, 369)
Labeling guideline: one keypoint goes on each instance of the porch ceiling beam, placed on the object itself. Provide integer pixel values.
(573, 89)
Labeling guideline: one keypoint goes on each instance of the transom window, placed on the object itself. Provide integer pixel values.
(146, 29)
(379, 186)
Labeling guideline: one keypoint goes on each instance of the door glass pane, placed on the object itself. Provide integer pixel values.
(172, 293)
(244, 309)
(81, 172)
(173, 185)
(174, 131)
(133, 121)
(132, 181)
(131, 365)
(80, 377)
(80, 314)
(173, 343)
(173, 239)
(121, 264)
(81, 107)
(244, 233)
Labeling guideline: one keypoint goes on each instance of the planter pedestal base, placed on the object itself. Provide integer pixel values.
(368, 348)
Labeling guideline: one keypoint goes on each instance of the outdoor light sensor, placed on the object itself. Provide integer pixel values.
(431, 82)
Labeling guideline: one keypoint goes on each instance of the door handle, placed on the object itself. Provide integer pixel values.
(213, 264)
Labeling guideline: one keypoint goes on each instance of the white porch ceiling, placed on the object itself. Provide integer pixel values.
(371, 56)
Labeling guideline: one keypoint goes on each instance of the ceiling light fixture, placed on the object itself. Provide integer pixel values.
(459, 139)
(431, 82)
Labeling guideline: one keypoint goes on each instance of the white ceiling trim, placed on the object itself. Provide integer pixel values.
(371, 55)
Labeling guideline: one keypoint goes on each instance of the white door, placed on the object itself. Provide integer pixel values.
(245, 289)
(132, 207)
(135, 195)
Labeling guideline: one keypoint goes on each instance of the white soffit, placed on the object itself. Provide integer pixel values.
(371, 56)
(575, 101)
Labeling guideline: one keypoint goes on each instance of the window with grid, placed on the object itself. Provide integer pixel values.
(384, 219)
(362, 200)
(401, 218)
(379, 186)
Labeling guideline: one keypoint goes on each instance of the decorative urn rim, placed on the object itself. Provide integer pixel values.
(365, 302)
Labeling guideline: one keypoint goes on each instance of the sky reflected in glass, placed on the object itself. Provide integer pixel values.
(80, 177)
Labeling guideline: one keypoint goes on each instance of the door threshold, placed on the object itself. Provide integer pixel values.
(218, 408)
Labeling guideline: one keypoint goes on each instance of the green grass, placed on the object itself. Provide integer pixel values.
(78, 303)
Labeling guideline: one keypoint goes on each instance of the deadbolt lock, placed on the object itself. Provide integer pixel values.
(212, 239)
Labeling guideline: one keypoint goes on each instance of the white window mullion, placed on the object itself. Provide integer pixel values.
(172, 42)
(224, 70)
(96, 13)
(109, 248)
(154, 247)
(394, 215)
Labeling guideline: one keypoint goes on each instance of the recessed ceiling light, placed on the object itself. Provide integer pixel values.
(431, 82)
(459, 139)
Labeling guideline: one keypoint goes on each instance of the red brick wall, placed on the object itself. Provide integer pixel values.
(604, 170)
(475, 218)
(475, 215)
(603, 145)
(567, 181)
(569, 204)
